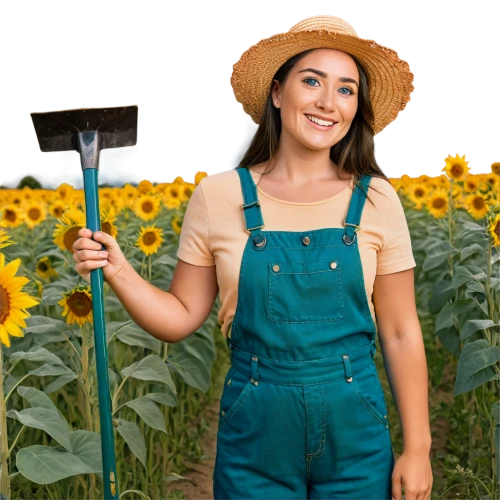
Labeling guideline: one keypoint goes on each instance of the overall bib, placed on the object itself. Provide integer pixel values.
(302, 414)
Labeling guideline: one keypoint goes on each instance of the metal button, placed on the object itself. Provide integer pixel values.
(349, 379)
(333, 264)
(385, 416)
(223, 413)
(229, 382)
(254, 358)
(306, 240)
(345, 356)
(276, 268)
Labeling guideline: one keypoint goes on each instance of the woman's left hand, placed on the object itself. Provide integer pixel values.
(413, 472)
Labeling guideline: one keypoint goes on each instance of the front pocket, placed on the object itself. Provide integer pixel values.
(370, 392)
(237, 387)
(305, 292)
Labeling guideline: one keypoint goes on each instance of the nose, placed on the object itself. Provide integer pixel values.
(326, 100)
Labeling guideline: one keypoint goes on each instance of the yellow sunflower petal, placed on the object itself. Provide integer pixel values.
(12, 328)
(4, 336)
(22, 300)
(18, 317)
(10, 269)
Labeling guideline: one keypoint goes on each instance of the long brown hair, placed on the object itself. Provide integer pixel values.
(354, 153)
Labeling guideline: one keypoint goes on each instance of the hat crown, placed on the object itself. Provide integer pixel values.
(329, 23)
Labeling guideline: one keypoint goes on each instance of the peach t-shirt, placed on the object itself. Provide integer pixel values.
(213, 231)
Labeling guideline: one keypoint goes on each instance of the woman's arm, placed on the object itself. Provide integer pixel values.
(403, 351)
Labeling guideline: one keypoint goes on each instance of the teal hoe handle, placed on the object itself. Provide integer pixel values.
(89, 154)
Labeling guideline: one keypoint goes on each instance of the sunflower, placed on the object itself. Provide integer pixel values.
(494, 229)
(57, 208)
(12, 216)
(477, 205)
(495, 167)
(150, 239)
(174, 195)
(147, 207)
(418, 193)
(44, 268)
(34, 213)
(108, 217)
(66, 233)
(77, 305)
(471, 183)
(456, 168)
(65, 192)
(4, 239)
(437, 204)
(176, 226)
(145, 186)
(199, 176)
(491, 180)
(13, 302)
(129, 193)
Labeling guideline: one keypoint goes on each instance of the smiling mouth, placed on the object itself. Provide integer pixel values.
(319, 125)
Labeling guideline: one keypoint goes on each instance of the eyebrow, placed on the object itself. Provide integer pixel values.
(344, 79)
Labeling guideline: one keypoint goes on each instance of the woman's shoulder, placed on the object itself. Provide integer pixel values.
(222, 186)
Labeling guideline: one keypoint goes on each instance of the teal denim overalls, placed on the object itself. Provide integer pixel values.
(303, 414)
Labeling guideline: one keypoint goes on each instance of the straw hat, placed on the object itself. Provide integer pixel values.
(390, 78)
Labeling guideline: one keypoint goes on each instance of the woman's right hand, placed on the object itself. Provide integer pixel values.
(89, 255)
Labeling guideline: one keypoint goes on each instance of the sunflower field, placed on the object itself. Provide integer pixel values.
(50, 444)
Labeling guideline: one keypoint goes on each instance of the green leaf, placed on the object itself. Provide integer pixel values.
(49, 421)
(59, 382)
(36, 397)
(133, 437)
(462, 275)
(44, 324)
(130, 333)
(149, 412)
(442, 292)
(475, 365)
(37, 353)
(152, 368)
(45, 465)
(43, 415)
(473, 249)
(450, 339)
(165, 398)
(193, 359)
(437, 254)
(473, 325)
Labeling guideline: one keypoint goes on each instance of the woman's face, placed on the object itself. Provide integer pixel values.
(322, 85)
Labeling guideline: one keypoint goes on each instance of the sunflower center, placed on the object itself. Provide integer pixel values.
(43, 266)
(478, 203)
(106, 227)
(419, 193)
(496, 231)
(4, 304)
(438, 203)
(147, 207)
(71, 236)
(34, 213)
(149, 238)
(80, 304)
(57, 211)
(457, 170)
(10, 215)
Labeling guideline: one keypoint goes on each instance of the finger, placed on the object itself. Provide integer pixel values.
(85, 233)
(83, 255)
(87, 266)
(106, 239)
(86, 244)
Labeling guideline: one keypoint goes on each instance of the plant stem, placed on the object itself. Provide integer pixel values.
(4, 443)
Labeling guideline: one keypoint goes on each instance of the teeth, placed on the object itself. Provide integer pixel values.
(320, 122)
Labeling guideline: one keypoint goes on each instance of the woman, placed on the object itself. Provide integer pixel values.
(303, 413)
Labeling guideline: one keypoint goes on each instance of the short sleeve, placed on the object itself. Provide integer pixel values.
(396, 253)
(194, 245)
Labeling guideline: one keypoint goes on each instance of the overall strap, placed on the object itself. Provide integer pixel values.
(251, 207)
(356, 205)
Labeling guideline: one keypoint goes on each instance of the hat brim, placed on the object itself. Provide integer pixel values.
(391, 80)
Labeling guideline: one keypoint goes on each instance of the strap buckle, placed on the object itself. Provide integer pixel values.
(356, 227)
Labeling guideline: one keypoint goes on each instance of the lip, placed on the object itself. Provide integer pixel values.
(322, 128)
(321, 117)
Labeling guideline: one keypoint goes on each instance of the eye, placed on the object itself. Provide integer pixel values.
(351, 92)
(310, 78)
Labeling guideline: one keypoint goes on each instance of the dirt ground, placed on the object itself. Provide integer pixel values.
(198, 482)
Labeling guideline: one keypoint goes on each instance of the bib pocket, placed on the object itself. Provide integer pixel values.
(305, 292)
(367, 386)
(237, 388)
